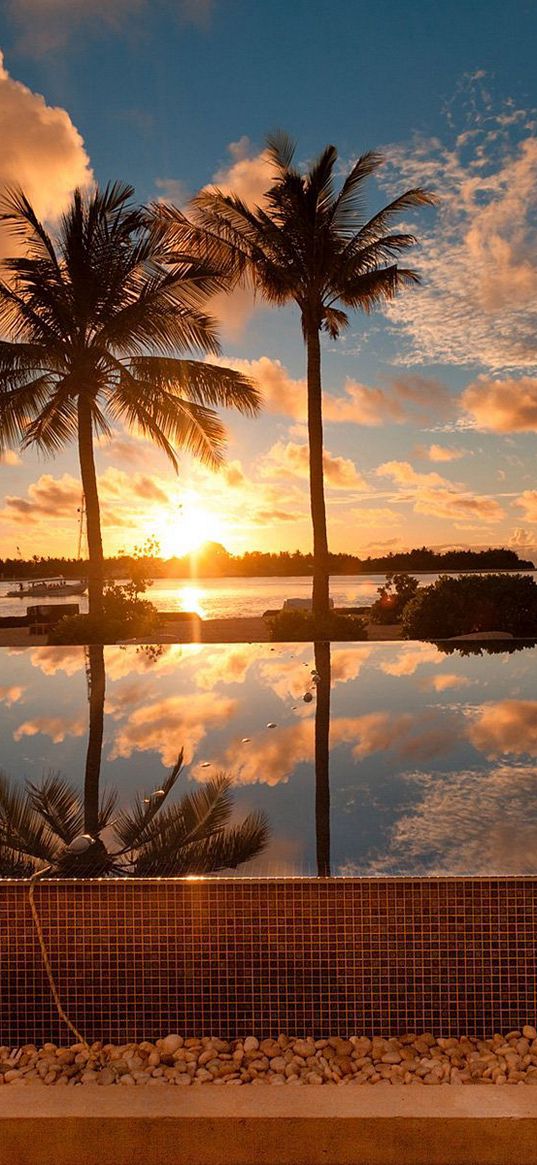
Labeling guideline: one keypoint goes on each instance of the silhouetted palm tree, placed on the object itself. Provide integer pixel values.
(322, 758)
(82, 312)
(42, 826)
(313, 245)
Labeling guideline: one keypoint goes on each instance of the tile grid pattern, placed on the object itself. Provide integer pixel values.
(228, 957)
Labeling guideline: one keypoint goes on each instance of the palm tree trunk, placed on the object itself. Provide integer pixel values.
(322, 754)
(96, 686)
(320, 594)
(93, 514)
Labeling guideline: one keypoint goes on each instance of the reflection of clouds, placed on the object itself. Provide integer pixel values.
(505, 726)
(226, 664)
(271, 759)
(169, 724)
(443, 682)
(408, 659)
(11, 695)
(51, 660)
(57, 727)
(347, 663)
(417, 736)
(469, 822)
(125, 661)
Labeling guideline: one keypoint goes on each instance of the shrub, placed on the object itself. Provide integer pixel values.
(288, 626)
(397, 591)
(472, 603)
(124, 617)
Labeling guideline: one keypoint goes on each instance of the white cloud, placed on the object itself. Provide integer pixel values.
(478, 261)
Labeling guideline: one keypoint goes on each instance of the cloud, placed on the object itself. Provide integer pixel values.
(46, 26)
(434, 495)
(167, 725)
(249, 174)
(409, 736)
(440, 453)
(502, 406)
(47, 497)
(9, 457)
(42, 151)
(11, 695)
(408, 659)
(506, 726)
(292, 460)
(478, 260)
(443, 682)
(467, 822)
(56, 727)
(527, 502)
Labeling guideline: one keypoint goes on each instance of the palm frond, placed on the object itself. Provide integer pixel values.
(21, 828)
(203, 383)
(221, 850)
(59, 805)
(131, 825)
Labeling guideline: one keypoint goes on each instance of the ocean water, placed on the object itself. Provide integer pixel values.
(425, 761)
(216, 598)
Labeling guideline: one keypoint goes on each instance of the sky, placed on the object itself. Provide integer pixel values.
(431, 403)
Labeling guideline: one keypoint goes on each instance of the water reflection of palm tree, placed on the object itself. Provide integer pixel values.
(48, 825)
(322, 751)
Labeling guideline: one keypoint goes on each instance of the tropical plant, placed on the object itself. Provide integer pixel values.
(95, 317)
(470, 604)
(303, 626)
(393, 597)
(311, 245)
(42, 828)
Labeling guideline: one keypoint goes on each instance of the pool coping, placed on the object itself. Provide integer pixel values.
(268, 1125)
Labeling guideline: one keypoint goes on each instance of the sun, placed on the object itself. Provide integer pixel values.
(184, 528)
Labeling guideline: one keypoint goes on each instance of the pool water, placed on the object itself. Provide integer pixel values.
(366, 758)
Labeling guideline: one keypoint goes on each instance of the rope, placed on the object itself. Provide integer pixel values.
(46, 962)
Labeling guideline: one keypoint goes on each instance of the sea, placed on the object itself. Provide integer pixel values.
(228, 598)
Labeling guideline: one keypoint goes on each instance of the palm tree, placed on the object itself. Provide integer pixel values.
(322, 758)
(41, 829)
(312, 245)
(95, 318)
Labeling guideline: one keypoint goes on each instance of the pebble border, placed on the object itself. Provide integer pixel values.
(410, 1059)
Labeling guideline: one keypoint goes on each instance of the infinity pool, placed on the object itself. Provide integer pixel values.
(366, 758)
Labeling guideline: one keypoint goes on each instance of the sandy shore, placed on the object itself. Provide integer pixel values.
(249, 630)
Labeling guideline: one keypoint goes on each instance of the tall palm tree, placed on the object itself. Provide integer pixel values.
(95, 319)
(322, 758)
(41, 828)
(311, 244)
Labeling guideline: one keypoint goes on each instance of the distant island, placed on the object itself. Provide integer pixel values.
(214, 561)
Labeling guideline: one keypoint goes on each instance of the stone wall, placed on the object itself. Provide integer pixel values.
(136, 959)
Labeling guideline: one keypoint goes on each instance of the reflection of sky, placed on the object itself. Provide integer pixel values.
(433, 757)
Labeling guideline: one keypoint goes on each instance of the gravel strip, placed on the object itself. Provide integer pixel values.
(411, 1059)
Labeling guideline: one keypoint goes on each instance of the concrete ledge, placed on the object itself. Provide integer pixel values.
(267, 1125)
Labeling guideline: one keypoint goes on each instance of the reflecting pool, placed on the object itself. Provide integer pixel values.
(363, 758)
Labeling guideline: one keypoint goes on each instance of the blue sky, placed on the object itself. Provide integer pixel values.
(432, 405)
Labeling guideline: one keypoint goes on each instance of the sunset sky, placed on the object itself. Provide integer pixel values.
(431, 405)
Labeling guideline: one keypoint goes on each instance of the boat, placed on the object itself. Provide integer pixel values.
(49, 588)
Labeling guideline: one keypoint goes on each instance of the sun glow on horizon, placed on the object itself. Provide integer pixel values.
(185, 528)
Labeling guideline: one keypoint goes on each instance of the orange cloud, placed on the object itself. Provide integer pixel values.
(435, 495)
(11, 695)
(507, 726)
(527, 502)
(167, 725)
(56, 727)
(440, 453)
(292, 460)
(41, 151)
(502, 406)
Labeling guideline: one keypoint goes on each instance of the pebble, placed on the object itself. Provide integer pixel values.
(413, 1058)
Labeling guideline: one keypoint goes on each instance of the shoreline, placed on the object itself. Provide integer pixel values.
(250, 629)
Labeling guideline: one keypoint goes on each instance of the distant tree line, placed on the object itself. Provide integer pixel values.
(214, 561)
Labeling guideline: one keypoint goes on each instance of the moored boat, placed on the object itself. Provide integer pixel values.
(40, 588)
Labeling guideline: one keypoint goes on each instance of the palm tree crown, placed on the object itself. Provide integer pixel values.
(312, 244)
(41, 825)
(95, 318)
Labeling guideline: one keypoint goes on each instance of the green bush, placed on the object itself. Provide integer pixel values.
(124, 617)
(291, 626)
(397, 591)
(472, 603)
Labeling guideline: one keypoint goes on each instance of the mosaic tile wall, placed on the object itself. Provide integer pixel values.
(230, 957)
